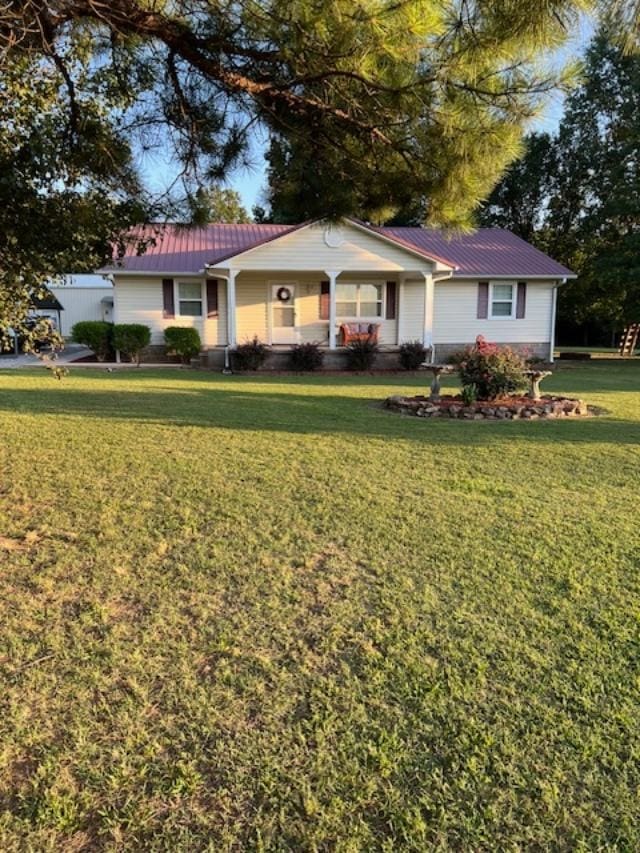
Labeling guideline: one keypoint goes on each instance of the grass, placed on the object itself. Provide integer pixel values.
(247, 614)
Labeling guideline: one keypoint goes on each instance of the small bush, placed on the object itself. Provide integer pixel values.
(306, 357)
(250, 355)
(95, 334)
(131, 339)
(469, 394)
(412, 355)
(183, 341)
(494, 371)
(361, 354)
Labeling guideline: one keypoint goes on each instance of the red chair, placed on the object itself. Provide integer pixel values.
(351, 332)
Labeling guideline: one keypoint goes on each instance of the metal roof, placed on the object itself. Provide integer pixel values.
(484, 252)
(176, 249)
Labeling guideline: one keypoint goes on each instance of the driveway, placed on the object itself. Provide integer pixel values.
(69, 353)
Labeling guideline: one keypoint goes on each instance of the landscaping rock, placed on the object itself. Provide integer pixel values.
(508, 408)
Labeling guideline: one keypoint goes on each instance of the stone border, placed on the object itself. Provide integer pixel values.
(513, 409)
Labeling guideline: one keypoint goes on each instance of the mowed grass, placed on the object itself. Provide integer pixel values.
(263, 614)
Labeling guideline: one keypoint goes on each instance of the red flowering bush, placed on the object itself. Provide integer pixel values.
(491, 370)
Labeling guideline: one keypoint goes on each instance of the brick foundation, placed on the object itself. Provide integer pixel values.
(156, 354)
(278, 359)
(443, 352)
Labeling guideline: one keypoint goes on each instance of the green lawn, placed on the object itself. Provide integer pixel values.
(264, 614)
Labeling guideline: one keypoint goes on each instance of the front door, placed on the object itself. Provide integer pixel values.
(283, 314)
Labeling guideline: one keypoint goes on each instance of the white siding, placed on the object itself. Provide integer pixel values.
(455, 315)
(139, 300)
(306, 249)
(81, 303)
(254, 309)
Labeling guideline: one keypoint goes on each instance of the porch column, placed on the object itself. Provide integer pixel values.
(332, 275)
(427, 336)
(231, 308)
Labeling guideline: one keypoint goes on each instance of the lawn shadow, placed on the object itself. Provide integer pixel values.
(255, 404)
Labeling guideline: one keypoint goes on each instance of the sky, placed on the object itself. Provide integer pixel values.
(251, 182)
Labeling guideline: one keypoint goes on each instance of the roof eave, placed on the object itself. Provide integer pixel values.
(551, 276)
(173, 273)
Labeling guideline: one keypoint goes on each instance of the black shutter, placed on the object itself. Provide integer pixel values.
(168, 301)
(521, 302)
(392, 297)
(483, 300)
(324, 300)
(212, 297)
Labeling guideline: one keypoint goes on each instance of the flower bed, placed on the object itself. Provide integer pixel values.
(505, 408)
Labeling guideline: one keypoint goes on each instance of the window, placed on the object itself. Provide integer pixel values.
(190, 299)
(359, 300)
(502, 300)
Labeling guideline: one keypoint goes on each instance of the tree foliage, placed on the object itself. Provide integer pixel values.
(384, 109)
(66, 184)
(385, 101)
(579, 191)
(217, 204)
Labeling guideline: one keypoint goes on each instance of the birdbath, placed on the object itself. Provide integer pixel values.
(437, 370)
(535, 378)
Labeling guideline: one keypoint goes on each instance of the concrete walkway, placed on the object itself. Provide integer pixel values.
(67, 355)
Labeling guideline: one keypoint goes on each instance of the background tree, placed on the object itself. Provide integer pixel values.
(594, 212)
(217, 204)
(300, 170)
(417, 99)
(520, 200)
(66, 187)
(580, 194)
(386, 102)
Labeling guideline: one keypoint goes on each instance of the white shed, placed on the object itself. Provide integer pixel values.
(84, 297)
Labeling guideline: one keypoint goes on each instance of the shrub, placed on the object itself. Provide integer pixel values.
(412, 355)
(469, 394)
(250, 355)
(306, 357)
(494, 370)
(131, 339)
(183, 341)
(361, 354)
(95, 334)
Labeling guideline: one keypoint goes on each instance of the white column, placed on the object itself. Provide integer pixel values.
(231, 308)
(400, 310)
(427, 336)
(332, 275)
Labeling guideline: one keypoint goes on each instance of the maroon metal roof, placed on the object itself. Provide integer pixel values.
(485, 252)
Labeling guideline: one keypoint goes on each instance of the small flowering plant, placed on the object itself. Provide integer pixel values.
(494, 371)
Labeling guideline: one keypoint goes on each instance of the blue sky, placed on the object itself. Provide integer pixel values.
(250, 182)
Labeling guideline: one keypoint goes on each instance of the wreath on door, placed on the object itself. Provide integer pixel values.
(284, 294)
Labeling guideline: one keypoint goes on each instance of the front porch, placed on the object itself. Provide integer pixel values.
(285, 308)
